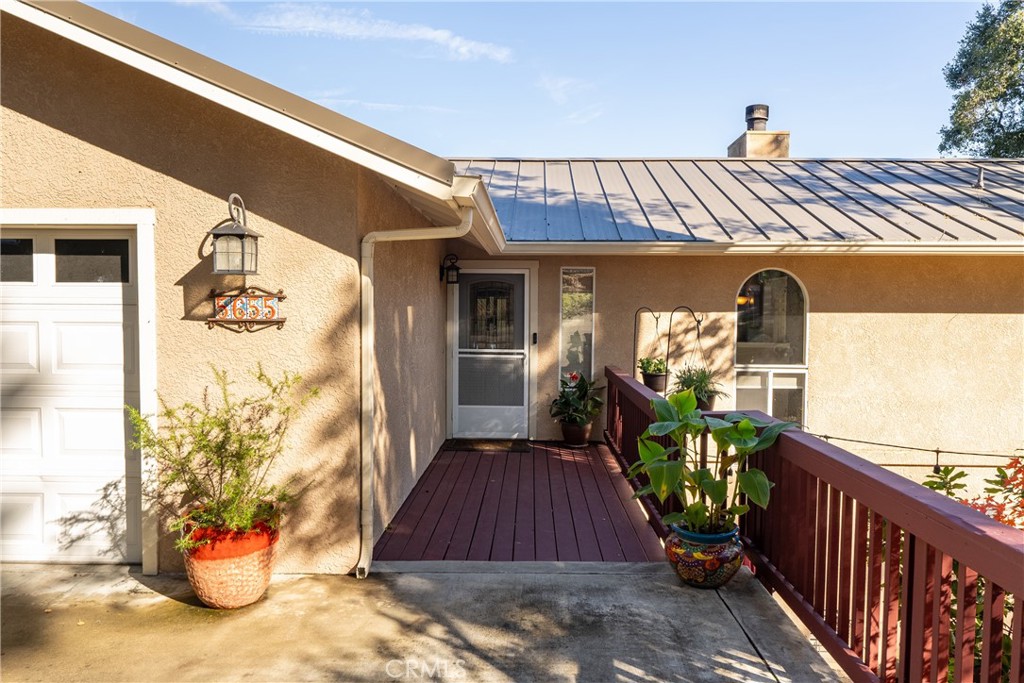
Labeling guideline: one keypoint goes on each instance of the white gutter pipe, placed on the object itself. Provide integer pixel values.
(367, 395)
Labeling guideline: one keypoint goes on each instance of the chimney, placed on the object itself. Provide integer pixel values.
(758, 143)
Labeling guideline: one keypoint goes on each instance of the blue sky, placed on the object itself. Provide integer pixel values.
(596, 79)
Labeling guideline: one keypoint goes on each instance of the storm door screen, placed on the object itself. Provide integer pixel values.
(491, 363)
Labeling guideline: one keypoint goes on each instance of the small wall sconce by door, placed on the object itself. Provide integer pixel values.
(450, 271)
(235, 248)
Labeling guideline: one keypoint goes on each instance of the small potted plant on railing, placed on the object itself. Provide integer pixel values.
(703, 381)
(577, 404)
(705, 548)
(655, 373)
(212, 459)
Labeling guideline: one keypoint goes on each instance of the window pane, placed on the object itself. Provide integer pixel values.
(491, 311)
(92, 260)
(788, 397)
(770, 320)
(15, 260)
(577, 321)
(752, 391)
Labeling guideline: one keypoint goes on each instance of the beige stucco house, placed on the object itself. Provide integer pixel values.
(876, 300)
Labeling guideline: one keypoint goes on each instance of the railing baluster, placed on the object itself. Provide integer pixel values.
(873, 598)
(832, 589)
(861, 557)
(820, 545)
(1017, 647)
(893, 598)
(966, 615)
(940, 627)
(845, 568)
(992, 632)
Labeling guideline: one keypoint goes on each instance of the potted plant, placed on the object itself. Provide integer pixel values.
(655, 373)
(703, 381)
(211, 463)
(705, 548)
(577, 404)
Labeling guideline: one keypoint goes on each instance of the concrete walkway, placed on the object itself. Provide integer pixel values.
(421, 621)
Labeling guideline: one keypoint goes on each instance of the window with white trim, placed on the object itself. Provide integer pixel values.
(771, 346)
(577, 322)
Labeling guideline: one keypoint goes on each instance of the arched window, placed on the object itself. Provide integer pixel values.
(771, 348)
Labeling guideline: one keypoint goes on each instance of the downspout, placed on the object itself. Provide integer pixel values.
(368, 397)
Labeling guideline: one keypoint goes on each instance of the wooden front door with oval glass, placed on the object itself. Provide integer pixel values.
(491, 369)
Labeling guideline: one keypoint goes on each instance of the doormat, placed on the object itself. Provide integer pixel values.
(507, 445)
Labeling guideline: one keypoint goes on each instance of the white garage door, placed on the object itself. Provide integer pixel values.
(69, 483)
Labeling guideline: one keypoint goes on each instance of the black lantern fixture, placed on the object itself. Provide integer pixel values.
(235, 250)
(450, 271)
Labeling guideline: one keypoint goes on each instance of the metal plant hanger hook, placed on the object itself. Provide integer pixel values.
(698, 320)
(236, 209)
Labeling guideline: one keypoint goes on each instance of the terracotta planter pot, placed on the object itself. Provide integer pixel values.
(704, 560)
(655, 382)
(234, 568)
(706, 405)
(576, 435)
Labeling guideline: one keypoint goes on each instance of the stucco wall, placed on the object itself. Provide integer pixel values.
(921, 351)
(410, 354)
(80, 130)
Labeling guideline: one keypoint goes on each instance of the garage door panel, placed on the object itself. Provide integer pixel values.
(98, 433)
(21, 519)
(21, 433)
(90, 347)
(20, 347)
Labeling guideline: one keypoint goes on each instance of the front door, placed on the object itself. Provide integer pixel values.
(491, 356)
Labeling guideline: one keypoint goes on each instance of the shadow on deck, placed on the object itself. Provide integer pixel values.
(551, 503)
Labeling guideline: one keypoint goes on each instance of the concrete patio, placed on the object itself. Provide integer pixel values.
(408, 621)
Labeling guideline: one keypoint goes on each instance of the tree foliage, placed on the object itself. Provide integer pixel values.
(987, 79)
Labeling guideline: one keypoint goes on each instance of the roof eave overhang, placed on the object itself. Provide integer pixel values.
(394, 159)
(748, 248)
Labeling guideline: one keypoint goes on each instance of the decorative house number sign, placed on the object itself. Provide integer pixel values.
(246, 310)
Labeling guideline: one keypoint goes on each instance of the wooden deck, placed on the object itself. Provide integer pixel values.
(550, 504)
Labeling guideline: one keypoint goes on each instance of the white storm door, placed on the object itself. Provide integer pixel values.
(69, 486)
(492, 356)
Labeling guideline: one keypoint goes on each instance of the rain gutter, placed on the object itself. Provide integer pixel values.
(368, 396)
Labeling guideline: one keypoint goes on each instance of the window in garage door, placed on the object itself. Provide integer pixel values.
(69, 326)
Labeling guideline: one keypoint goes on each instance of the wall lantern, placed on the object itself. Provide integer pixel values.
(235, 249)
(450, 271)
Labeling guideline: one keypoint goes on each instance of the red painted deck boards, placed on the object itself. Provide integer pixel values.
(550, 504)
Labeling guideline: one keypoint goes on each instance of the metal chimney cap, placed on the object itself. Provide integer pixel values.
(757, 116)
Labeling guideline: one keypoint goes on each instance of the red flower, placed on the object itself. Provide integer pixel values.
(574, 377)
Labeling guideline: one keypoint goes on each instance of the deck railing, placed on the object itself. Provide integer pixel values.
(897, 582)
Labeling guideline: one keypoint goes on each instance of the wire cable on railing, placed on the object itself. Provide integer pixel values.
(937, 451)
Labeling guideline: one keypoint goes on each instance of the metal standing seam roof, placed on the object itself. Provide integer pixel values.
(741, 200)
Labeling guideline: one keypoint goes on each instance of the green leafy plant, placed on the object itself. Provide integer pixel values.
(701, 379)
(213, 457)
(709, 495)
(946, 480)
(578, 401)
(652, 366)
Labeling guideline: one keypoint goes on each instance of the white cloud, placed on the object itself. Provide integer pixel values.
(343, 23)
(584, 116)
(559, 88)
(217, 7)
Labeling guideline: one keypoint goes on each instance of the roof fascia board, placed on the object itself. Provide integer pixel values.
(53, 17)
(471, 191)
(782, 248)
